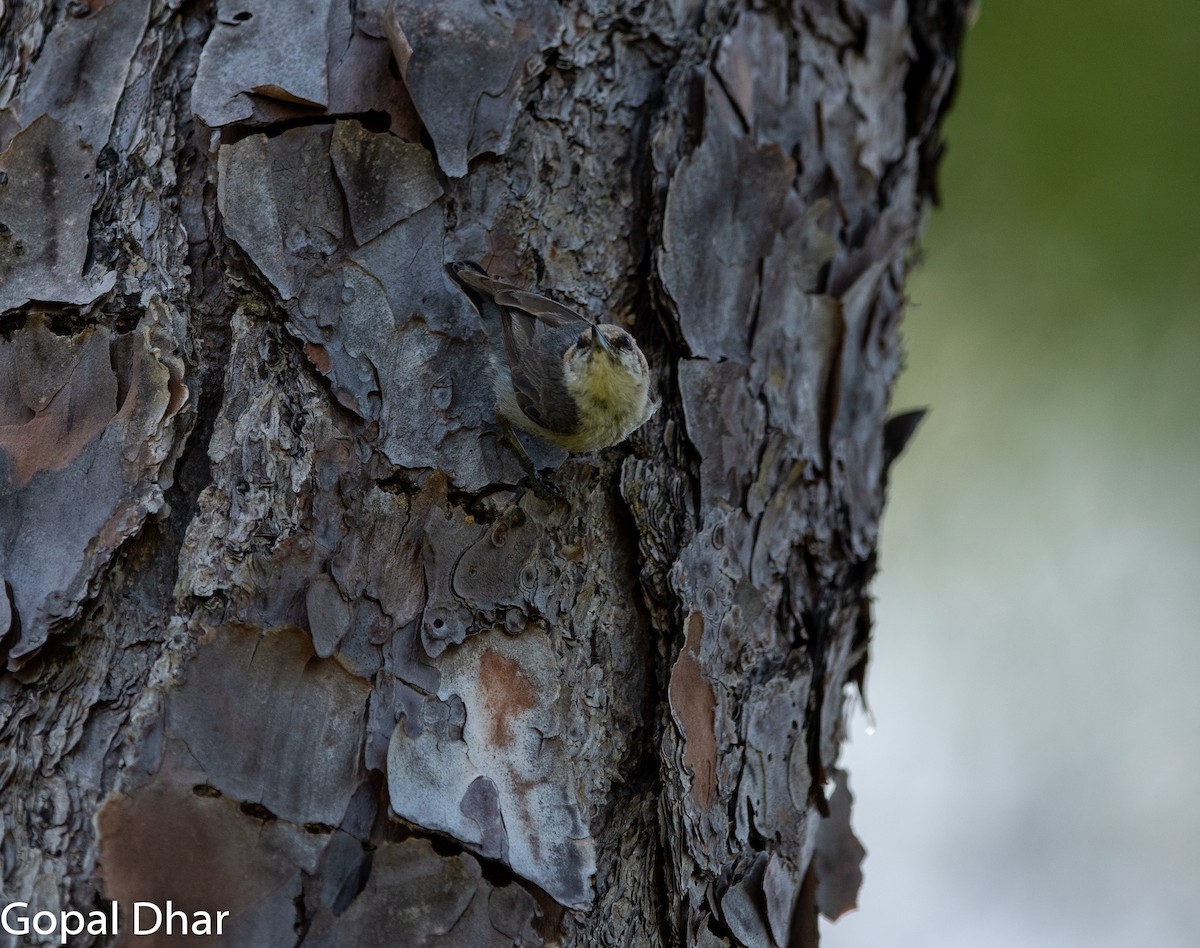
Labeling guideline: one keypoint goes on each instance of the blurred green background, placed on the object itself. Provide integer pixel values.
(1033, 778)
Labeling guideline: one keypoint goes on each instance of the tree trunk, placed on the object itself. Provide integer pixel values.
(287, 635)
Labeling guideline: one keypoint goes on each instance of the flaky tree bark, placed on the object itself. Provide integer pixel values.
(285, 633)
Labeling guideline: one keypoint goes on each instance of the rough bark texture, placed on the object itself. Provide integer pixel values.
(285, 634)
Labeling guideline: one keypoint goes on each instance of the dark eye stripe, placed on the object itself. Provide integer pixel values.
(623, 342)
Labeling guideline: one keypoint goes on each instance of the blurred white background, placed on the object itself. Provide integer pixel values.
(1033, 779)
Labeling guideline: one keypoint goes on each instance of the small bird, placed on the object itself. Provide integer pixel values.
(571, 382)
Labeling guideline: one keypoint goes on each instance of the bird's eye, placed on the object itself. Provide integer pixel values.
(623, 341)
(584, 341)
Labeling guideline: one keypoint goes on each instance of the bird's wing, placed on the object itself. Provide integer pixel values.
(536, 332)
(535, 361)
(472, 278)
(541, 307)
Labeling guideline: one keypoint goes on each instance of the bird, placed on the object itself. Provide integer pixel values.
(565, 379)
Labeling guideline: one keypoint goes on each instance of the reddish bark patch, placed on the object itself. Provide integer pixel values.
(167, 842)
(318, 356)
(693, 704)
(507, 691)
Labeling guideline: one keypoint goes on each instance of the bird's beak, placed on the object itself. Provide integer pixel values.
(600, 340)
